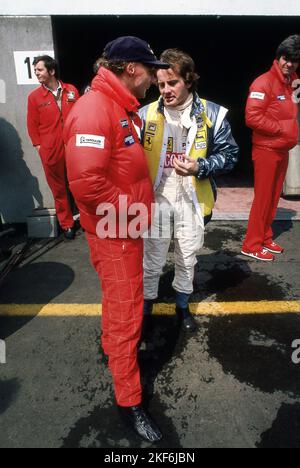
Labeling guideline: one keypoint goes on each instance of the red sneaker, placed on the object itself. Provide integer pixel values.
(264, 255)
(274, 248)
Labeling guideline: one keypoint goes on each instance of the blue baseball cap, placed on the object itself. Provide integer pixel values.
(132, 49)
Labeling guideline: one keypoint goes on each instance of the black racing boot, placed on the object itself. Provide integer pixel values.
(141, 422)
(188, 323)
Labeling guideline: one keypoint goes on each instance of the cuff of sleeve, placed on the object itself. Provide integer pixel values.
(202, 169)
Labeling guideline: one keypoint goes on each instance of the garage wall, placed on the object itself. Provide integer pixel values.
(22, 182)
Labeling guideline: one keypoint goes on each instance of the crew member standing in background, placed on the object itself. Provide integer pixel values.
(271, 113)
(48, 107)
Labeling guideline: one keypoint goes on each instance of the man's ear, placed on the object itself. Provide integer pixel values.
(130, 68)
(52, 72)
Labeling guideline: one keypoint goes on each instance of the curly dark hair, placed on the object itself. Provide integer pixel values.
(183, 64)
(116, 67)
(290, 49)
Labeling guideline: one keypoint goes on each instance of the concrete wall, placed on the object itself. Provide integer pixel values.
(22, 182)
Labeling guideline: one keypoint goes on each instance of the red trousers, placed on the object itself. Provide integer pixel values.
(119, 263)
(270, 168)
(56, 176)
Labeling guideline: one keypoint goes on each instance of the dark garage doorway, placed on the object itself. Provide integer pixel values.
(229, 53)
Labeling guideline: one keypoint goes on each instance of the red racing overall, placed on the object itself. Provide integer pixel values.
(105, 160)
(272, 115)
(45, 123)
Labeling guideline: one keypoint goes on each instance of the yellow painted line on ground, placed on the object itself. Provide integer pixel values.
(202, 308)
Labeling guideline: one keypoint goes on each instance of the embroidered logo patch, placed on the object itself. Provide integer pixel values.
(201, 134)
(148, 142)
(281, 98)
(129, 140)
(91, 141)
(71, 96)
(255, 95)
(170, 145)
(124, 123)
(151, 127)
(199, 145)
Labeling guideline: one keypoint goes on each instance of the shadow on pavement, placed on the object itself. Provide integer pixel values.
(103, 427)
(8, 392)
(279, 227)
(285, 431)
(37, 283)
(257, 350)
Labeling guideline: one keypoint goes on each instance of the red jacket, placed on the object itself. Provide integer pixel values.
(104, 156)
(45, 120)
(271, 112)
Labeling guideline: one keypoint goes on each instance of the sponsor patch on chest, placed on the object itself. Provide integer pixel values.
(129, 140)
(148, 142)
(91, 141)
(256, 95)
(152, 127)
(71, 96)
(124, 123)
(200, 145)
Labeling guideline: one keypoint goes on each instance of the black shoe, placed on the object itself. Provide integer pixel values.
(141, 422)
(188, 323)
(70, 233)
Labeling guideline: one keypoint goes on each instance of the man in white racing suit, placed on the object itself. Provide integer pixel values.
(187, 140)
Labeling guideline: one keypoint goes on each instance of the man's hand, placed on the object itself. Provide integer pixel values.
(187, 168)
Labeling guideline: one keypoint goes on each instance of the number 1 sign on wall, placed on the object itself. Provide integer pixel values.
(24, 68)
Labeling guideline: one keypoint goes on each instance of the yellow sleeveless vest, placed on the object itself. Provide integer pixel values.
(153, 143)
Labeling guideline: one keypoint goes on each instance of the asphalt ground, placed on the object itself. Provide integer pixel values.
(232, 384)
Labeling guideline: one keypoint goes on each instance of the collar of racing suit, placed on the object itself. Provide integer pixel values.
(47, 90)
(275, 69)
(109, 84)
(197, 106)
(181, 114)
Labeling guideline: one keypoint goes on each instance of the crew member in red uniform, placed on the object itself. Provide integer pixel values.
(48, 107)
(108, 172)
(271, 113)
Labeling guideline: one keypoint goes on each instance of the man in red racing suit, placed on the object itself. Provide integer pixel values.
(108, 173)
(48, 107)
(271, 113)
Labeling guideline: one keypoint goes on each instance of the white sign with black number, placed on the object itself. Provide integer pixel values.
(24, 66)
